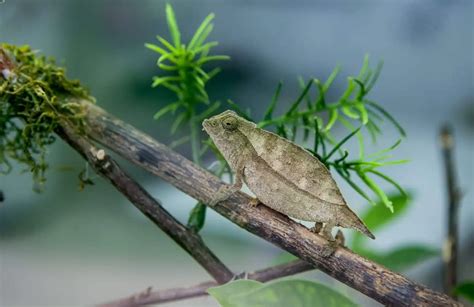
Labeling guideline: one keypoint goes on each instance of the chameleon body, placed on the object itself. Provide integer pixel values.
(281, 174)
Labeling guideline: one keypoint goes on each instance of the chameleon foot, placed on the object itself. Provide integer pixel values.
(340, 238)
(223, 193)
(317, 227)
(254, 202)
(333, 243)
(329, 249)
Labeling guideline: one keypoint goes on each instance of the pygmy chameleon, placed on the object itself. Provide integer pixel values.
(281, 174)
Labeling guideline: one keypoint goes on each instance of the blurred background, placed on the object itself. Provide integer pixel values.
(65, 247)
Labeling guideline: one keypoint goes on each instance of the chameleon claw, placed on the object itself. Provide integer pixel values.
(254, 202)
(340, 240)
(329, 249)
(223, 193)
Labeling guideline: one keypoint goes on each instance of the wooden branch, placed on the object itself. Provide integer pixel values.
(450, 246)
(355, 271)
(148, 297)
(104, 165)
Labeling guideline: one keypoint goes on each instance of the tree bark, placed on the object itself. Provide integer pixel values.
(372, 279)
(104, 165)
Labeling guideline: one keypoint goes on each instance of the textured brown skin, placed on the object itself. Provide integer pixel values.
(283, 175)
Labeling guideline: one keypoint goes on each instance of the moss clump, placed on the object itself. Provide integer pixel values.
(35, 96)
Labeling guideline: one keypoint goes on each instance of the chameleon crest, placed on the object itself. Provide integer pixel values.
(281, 174)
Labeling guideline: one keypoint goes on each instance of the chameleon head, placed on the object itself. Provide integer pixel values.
(221, 125)
(226, 131)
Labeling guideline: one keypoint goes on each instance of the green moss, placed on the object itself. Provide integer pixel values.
(35, 96)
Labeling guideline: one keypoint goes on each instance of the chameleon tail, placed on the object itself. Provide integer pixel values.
(351, 220)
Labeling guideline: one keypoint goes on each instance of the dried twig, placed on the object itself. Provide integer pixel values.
(357, 272)
(450, 246)
(109, 169)
(162, 296)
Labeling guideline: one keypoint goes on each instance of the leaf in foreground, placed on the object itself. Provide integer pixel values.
(281, 293)
(465, 289)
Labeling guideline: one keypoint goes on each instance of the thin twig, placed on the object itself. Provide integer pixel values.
(355, 271)
(162, 296)
(109, 169)
(450, 246)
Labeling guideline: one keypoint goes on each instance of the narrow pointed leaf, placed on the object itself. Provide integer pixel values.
(269, 112)
(173, 26)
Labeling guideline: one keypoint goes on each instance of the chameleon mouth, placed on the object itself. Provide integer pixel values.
(205, 124)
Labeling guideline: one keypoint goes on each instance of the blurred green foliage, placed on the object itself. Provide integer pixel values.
(466, 290)
(400, 258)
(278, 293)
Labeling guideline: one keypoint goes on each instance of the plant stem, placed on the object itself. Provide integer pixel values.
(450, 246)
(195, 138)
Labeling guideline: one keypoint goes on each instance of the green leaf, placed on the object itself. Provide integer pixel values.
(355, 186)
(279, 293)
(377, 216)
(333, 114)
(209, 111)
(179, 141)
(167, 45)
(161, 80)
(269, 112)
(224, 293)
(403, 258)
(331, 78)
(350, 135)
(303, 94)
(389, 180)
(173, 26)
(375, 77)
(169, 108)
(377, 107)
(239, 111)
(178, 121)
(200, 35)
(197, 217)
(211, 58)
(376, 189)
(465, 289)
(156, 48)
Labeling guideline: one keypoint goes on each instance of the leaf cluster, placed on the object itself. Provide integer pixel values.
(34, 98)
(184, 72)
(185, 75)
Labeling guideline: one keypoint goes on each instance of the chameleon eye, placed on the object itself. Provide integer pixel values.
(229, 123)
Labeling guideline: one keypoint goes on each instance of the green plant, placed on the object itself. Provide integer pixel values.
(32, 103)
(187, 77)
(306, 116)
(352, 110)
(466, 290)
